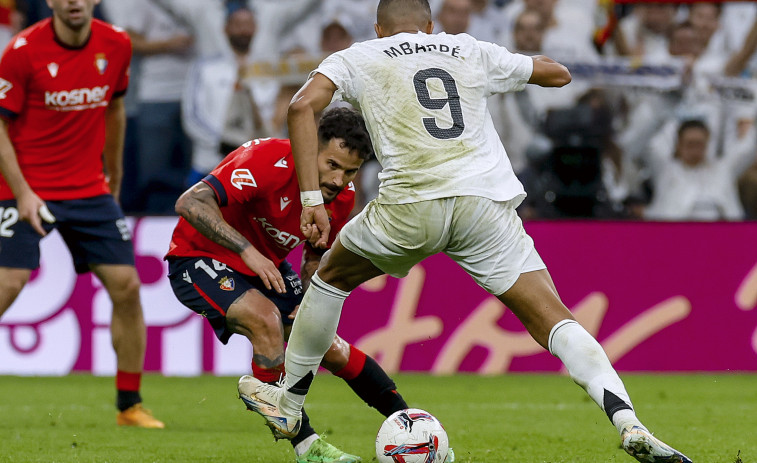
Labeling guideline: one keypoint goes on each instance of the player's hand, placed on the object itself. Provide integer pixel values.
(294, 312)
(314, 223)
(265, 269)
(32, 209)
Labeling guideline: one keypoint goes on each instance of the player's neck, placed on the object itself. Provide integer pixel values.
(71, 37)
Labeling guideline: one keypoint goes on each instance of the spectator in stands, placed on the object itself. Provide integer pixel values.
(219, 110)
(645, 32)
(705, 19)
(689, 185)
(335, 35)
(748, 191)
(202, 19)
(487, 21)
(454, 16)
(164, 151)
(569, 27)
(11, 21)
(515, 116)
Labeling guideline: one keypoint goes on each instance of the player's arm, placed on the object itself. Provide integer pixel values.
(176, 44)
(199, 206)
(113, 152)
(549, 73)
(311, 99)
(27, 201)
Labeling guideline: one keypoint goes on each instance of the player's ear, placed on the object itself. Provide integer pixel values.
(429, 27)
(377, 28)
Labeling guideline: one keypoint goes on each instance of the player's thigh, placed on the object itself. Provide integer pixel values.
(207, 287)
(345, 269)
(534, 300)
(393, 237)
(489, 242)
(232, 302)
(12, 281)
(95, 232)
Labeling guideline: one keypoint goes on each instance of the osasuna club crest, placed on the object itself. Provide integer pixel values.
(101, 63)
(226, 284)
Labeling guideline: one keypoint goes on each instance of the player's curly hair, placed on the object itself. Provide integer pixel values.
(347, 124)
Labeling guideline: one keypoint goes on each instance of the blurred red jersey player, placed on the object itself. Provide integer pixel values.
(61, 83)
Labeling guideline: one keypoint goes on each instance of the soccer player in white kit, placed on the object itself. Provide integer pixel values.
(446, 186)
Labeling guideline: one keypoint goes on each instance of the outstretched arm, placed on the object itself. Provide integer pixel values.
(199, 207)
(311, 99)
(549, 73)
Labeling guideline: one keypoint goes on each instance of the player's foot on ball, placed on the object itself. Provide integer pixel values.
(136, 415)
(640, 444)
(321, 451)
(450, 456)
(263, 399)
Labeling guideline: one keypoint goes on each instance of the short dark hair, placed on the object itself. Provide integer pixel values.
(692, 124)
(389, 11)
(348, 125)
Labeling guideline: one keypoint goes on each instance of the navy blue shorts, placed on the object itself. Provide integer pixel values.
(94, 230)
(209, 287)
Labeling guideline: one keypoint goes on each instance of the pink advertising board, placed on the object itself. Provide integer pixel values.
(658, 297)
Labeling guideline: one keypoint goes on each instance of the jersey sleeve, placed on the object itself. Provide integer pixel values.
(244, 175)
(508, 72)
(14, 69)
(124, 73)
(335, 68)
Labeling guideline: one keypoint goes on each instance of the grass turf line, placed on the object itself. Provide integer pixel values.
(512, 418)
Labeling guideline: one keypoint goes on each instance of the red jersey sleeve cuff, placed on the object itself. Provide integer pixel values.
(217, 188)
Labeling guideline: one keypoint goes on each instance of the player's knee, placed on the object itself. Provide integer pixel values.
(262, 325)
(126, 291)
(336, 357)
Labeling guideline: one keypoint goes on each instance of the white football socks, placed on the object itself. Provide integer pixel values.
(590, 368)
(312, 334)
(304, 446)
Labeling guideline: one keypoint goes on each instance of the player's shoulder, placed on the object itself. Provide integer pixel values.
(105, 31)
(269, 149)
(41, 31)
(273, 154)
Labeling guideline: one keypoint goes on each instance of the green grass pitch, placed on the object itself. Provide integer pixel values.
(512, 418)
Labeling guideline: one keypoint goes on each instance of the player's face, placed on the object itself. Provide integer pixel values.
(337, 167)
(692, 146)
(75, 14)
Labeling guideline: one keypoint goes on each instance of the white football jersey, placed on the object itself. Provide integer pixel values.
(423, 98)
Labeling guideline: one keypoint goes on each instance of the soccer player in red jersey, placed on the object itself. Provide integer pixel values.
(61, 83)
(227, 259)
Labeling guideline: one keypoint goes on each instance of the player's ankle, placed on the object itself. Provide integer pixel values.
(302, 447)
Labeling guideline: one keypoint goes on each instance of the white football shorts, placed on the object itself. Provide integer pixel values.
(485, 237)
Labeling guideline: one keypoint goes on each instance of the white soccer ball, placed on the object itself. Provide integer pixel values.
(412, 436)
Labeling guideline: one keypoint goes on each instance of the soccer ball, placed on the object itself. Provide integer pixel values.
(412, 436)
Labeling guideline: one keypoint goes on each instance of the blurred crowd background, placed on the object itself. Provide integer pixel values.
(658, 123)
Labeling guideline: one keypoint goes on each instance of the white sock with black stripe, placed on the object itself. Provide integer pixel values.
(312, 334)
(589, 367)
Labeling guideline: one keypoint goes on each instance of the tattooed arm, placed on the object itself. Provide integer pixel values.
(199, 206)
